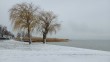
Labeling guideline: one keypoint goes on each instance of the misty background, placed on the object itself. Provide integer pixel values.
(80, 19)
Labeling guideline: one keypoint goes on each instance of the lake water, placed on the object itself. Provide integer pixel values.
(88, 44)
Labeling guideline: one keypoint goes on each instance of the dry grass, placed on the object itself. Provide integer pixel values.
(39, 39)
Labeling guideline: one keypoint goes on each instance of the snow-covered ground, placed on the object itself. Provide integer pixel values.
(14, 51)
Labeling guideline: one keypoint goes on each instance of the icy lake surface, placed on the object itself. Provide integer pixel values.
(103, 45)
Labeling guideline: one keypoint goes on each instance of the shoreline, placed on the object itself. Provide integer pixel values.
(39, 39)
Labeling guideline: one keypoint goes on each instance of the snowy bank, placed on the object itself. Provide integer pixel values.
(14, 51)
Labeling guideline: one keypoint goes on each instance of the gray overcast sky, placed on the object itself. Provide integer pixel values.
(80, 19)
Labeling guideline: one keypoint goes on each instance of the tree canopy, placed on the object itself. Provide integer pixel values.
(23, 17)
(27, 17)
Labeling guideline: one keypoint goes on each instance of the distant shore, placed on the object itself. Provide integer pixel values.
(39, 39)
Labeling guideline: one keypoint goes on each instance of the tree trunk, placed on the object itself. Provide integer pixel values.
(44, 38)
(29, 38)
(2, 34)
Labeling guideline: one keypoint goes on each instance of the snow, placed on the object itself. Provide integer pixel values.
(15, 51)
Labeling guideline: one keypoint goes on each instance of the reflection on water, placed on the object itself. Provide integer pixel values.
(89, 44)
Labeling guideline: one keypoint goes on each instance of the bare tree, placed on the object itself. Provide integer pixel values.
(0, 30)
(18, 35)
(24, 16)
(4, 31)
(48, 23)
